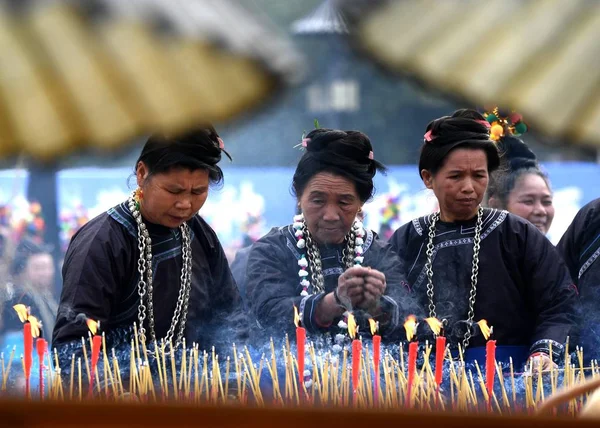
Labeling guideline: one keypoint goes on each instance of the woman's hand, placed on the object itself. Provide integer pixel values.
(358, 287)
(373, 288)
(351, 286)
(540, 359)
(348, 294)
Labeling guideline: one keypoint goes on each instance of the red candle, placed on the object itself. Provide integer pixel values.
(28, 354)
(300, 346)
(376, 353)
(440, 350)
(41, 346)
(96, 346)
(301, 342)
(412, 366)
(94, 327)
(490, 359)
(356, 355)
(410, 326)
(31, 329)
(490, 369)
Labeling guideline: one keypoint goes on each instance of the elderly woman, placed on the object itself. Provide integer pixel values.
(326, 263)
(520, 186)
(468, 263)
(152, 260)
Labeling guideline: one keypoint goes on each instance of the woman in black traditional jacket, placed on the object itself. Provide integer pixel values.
(325, 263)
(466, 263)
(580, 248)
(152, 260)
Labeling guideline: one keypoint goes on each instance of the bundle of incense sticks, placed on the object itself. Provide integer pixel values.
(194, 375)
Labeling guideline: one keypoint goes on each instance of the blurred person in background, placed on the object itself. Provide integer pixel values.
(31, 284)
(154, 245)
(325, 263)
(519, 185)
(466, 263)
(580, 248)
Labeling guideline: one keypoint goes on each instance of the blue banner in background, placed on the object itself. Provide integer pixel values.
(252, 200)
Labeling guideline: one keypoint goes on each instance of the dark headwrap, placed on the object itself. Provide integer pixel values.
(196, 149)
(345, 153)
(465, 128)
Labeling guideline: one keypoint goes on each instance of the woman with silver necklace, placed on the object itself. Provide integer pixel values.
(152, 260)
(466, 263)
(325, 263)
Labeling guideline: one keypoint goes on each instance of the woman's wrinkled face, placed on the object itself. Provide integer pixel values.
(460, 184)
(330, 204)
(173, 197)
(531, 199)
(39, 271)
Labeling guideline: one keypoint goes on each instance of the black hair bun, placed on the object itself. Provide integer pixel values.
(340, 147)
(463, 125)
(516, 154)
(322, 139)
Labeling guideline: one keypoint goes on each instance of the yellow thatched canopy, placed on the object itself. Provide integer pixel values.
(101, 72)
(538, 57)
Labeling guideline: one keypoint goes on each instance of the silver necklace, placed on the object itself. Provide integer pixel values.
(349, 255)
(145, 283)
(474, 271)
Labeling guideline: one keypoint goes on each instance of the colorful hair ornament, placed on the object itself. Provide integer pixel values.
(505, 124)
(305, 142)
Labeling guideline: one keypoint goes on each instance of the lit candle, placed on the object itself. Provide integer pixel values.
(28, 355)
(300, 345)
(356, 355)
(411, 329)
(490, 360)
(31, 329)
(376, 352)
(440, 349)
(94, 327)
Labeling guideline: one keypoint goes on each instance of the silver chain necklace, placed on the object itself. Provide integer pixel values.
(474, 271)
(314, 257)
(145, 283)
